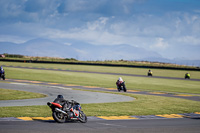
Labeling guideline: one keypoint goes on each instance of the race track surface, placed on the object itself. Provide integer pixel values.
(184, 96)
(104, 126)
(52, 92)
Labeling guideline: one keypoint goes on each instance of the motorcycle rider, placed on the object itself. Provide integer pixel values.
(64, 103)
(2, 71)
(187, 75)
(71, 112)
(120, 83)
(150, 73)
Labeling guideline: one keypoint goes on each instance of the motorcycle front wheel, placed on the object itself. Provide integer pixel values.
(82, 117)
(124, 89)
(59, 117)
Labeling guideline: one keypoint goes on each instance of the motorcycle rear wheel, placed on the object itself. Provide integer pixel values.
(59, 117)
(82, 117)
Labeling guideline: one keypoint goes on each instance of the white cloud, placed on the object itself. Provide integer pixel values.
(98, 24)
(160, 44)
(12, 38)
(68, 44)
(197, 11)
(189, 40)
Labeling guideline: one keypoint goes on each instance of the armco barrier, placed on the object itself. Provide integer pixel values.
(100, 64)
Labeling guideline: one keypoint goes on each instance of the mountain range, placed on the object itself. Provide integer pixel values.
(84, 51)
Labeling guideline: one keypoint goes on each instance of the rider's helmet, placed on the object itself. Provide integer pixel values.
(1, 70)
(120, 79)
(60, 96)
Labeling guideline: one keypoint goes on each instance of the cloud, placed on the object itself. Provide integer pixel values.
(141, 23)
(98, 24)
(189, 40)
(160, 44)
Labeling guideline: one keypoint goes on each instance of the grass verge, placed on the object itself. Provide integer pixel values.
(7, 94)
(107, 81)
(108, 69)
(143, 105)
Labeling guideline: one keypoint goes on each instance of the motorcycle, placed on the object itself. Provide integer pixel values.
(150, 74)
(2, 76)
(121, 86)
(73, 113)
(187, 76)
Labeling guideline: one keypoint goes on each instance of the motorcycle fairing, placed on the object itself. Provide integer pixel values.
(56, 104)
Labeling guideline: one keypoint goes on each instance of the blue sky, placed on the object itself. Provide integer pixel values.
(169, 27)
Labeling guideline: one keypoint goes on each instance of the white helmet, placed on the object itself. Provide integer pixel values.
(120, 79)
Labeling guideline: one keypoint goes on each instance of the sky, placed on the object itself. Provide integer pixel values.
(169, 27)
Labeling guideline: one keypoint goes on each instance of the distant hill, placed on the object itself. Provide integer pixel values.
(38, 47)
(85, 51)
(44, 47)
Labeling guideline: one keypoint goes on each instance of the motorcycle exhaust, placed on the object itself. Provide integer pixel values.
(59, 110)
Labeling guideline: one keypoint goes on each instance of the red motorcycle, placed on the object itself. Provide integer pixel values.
(73, 113)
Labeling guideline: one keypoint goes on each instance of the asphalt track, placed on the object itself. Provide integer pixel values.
(104, 126)
(183, 96)
(52, 91)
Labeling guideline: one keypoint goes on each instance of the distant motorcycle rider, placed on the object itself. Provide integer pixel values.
(150, 73)
(187, 76)
(121, 83)
(1, 71)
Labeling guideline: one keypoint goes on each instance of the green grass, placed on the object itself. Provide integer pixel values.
(25, 111)
(108, 81)
(125, 70)
(143, 105)
(7, 94)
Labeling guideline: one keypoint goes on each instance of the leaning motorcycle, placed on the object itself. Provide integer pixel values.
(74, 113)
